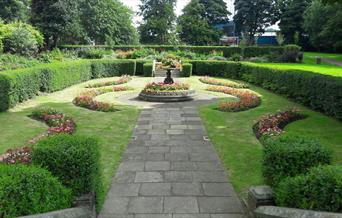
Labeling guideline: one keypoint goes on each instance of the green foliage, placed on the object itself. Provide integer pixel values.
(320, 189)
(15, 10)
(288, 157)
(11, 62)
(291, 53)
(27, 190)
(148, 69)
(256, 51)
(216, 69)
(111, 68)
(92, 53)
(73, 159)
(140, 67)
(157, 26)
(186, 70)
(254, 16)
(323, 24)
(20, 38)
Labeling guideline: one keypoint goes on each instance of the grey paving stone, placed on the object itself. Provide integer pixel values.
(180, 205)
(159, 149)
(191, 216)
(124, 177)
(218, 189)
(204, 156)
(143, 137)
(186, 189)
(159, 137)
(156, 131)
(179, 137)
(133, 157)
(124, 190)
(177, 156)
(131, 166)
(115, 205)
(157, 165)
(209, 166)
(115, 216)
(153, 216)
(208, 176)
(183, 166)
(145, 205)
(155, 189)
(227, 216)
(178, 127)
(219, 205)
(175, 131)
(160, 126)
(154, 157)
(178, 176)
(148, 177)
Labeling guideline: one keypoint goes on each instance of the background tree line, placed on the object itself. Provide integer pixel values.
(313, 24)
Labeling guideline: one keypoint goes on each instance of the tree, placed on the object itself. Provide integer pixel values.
(109, 22)
(254, 16)
(158, 22)
(57, 20)
(291, 20)
(14, 10)
(323, 23)
(196, 24)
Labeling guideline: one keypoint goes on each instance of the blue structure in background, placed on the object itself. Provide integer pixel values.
(267, 40)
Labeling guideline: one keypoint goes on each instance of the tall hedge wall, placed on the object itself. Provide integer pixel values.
(319, 92)
(19, 85)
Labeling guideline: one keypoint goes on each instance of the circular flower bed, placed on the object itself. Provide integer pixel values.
(161, 92)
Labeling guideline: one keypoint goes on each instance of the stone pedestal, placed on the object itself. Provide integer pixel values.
(260, 196)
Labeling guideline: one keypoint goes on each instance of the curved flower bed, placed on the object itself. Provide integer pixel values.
(273, 124)
(86, 99)
(122, 80)
(231, 84)
(58, 123)
(247, 99)
(162, 87)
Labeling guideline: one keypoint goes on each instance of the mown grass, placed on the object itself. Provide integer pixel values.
(309, 64)
(240, 151)
(114, 130)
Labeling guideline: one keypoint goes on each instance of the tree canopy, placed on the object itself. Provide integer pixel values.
(14, 10)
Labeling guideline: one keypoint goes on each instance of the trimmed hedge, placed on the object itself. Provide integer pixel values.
(319, 92)
(75, 160)
(26, 190)
(287, 157)
(20, 85)
(257, 51)
(320, 189)
(139, 71)
(186, 70)
(148, 69)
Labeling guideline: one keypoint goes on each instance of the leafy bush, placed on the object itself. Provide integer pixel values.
(112, 68)
(256, 51)
(186, 70)
(291, 53)
(142, 53)
(27, 190)
(12, 62)
(236, 58)
(320, 189)
(93, 53)
(216, 69)
(140, 67)
(20, 38)
(286, 157)
(148, 69)
(75, 160)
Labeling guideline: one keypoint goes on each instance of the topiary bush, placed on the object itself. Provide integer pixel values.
(73, 159)
(320, 189)
(26, 190)
(148, 69)
(286, 157)
(291, 53)
(186, 70)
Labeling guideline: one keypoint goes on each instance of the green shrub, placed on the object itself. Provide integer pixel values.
(216, 69)
(140, 67)
(148, 69)
(12, 62)
(111, 68)
(186, 70)
(291, 53)
(286, 157)
(256, 51)
(26, 190)
(320, 189)
(73, 159)
(230, 51)
(92, 53)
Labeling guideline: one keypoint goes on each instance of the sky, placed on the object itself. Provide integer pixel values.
(134, 4)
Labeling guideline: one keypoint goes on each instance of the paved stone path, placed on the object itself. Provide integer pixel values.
(332, 61)
(170, 170)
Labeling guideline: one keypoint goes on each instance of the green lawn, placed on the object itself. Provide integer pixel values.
(241, 152)
(112, 129)
(309, 64)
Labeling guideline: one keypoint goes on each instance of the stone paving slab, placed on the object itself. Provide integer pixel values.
(169, 170)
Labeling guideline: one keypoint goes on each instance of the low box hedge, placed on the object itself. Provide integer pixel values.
(27, 190)
(148, 69)
(75, 160)
(320, 189)
(186, 70)
(20, 85)
(287, 157)
(139, 71)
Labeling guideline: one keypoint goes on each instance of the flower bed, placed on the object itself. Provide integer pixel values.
(86, 99)
(58, 123)
(247, 99)
(273, 124)
(162, 87)
(123, 79)
(231, 84)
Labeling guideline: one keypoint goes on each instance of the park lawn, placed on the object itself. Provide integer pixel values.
(310, 57)
(240, 151)
(113, 129)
